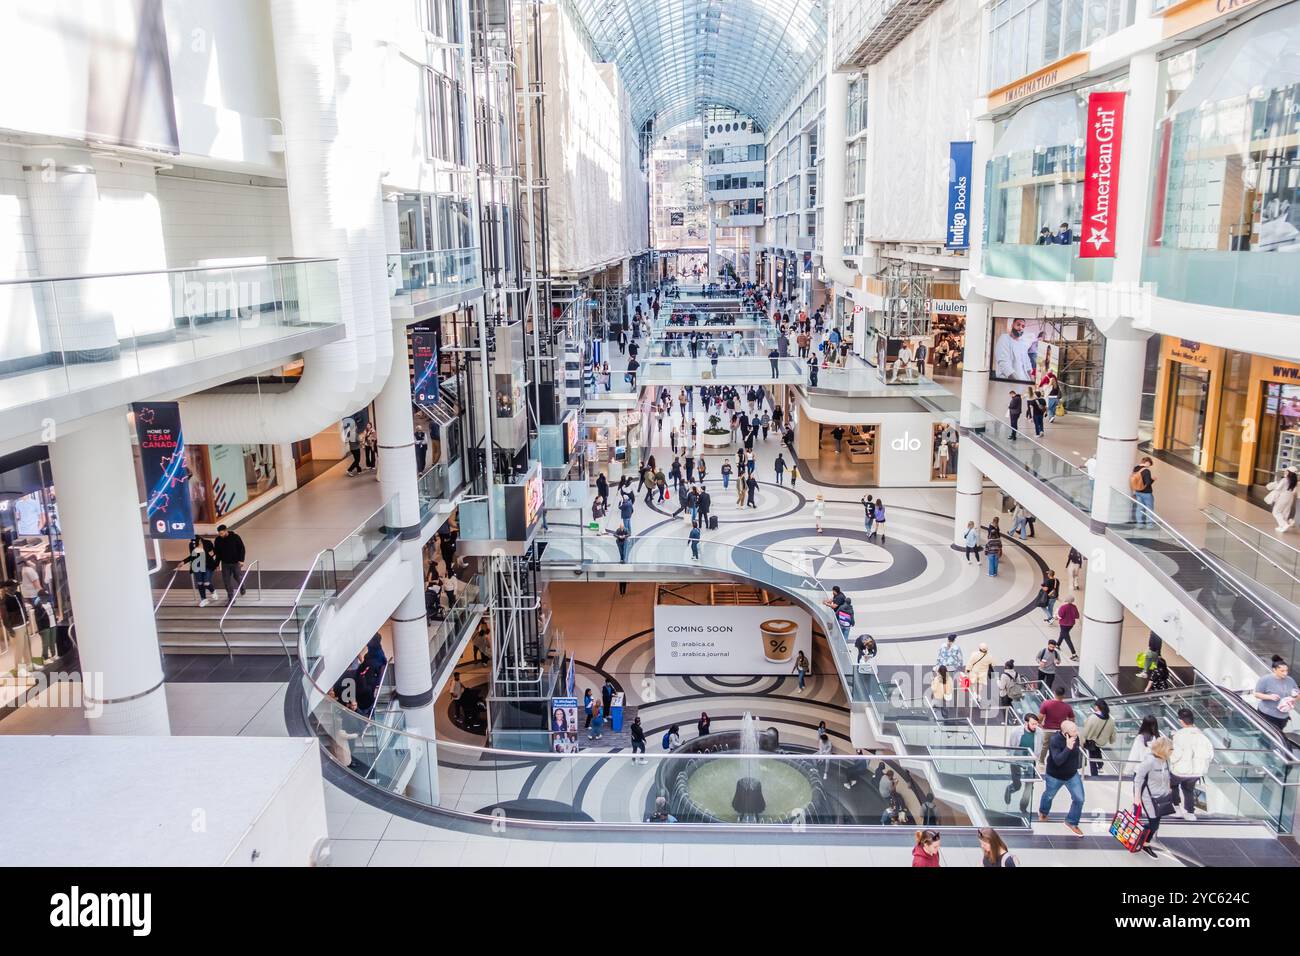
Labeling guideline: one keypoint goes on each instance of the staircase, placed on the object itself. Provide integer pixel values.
(737, 594)
(252, 627)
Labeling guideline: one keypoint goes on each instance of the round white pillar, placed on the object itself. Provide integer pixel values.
(974, 393)
(397, 478)
(1103, 623)
(713, 244)
(112, 602)
(1117, 430)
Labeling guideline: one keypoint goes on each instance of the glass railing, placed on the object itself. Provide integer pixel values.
(864, 381)
(432, 488)
(430, 275)
(447, 626)
(1044, 263)
(1044, 465)
(67, 334)
(693, 371)
(1256, 281)
(751, 344)
(1258, 555)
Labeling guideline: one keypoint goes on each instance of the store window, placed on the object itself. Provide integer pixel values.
(228, 477)
(1189, 398)
(31, 542)
(1034, 193)
(1226, 190)
(1279, 432)
(1232, 413)
(1024, 36)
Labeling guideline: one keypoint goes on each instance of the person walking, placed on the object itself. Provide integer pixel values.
(1282, 496)
(1037, 410)
(819, 511)
(880, 520)
(1275, 695)
(1189, 761)
(1048, 659)
(1028, 742)
(602, 489)
(1098, 733)
(694, 538)
(625, 509)
(837, 433)
(993, 850)
(596, 730)
(950, 655)
(801, 668)
(979, 667)
(702, 725)
(1074, 564)
(1142, 483)
(1061, 770)
(1015, 407)
(621, 536)
(1153, 789)
(637, 733)
(587, 702)
(972, 542)
(370, 442)
(1048, 592)
(352, 435)
(751, 487)
(1066, 617)
(779, 468)
(704, 505)
(794, 473)
(201, 560)
(726, 475)
(774, 356)
(993, 550)
(926, 851)
(228, 550)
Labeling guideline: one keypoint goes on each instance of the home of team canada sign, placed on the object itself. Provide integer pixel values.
(1101, 175)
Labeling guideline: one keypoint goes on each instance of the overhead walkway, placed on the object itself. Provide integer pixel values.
(736, 371)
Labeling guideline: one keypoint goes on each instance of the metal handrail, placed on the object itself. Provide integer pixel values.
(1222, 523)
(167, 589)
(33, 280)
(234, 599)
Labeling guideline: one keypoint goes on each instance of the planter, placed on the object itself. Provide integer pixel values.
(715, 439)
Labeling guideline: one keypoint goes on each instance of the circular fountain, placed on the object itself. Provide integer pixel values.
(739, 776)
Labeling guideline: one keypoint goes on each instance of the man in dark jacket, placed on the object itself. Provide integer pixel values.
(229, 550)
(1015, 407)
(1064, 758)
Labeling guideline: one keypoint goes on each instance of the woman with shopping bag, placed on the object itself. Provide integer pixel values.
(1153, 797)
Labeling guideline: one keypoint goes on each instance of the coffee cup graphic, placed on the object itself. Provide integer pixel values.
(778, 639)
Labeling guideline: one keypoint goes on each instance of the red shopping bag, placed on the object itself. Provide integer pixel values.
(963, 682)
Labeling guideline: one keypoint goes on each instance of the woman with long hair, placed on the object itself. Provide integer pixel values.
(926, 851)
(995, 852)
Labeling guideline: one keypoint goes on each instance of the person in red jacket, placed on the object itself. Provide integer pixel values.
(1067, 615)
(926, 851)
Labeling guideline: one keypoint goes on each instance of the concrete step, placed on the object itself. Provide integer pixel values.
(211, 643)
(212, 613)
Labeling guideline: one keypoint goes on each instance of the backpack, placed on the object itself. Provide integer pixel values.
(1135, 482)
(1015, 690)
(668, 735)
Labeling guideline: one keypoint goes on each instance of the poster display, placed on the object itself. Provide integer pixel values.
(229, 479)
(564, 725)
(424, 365)
(162, 459)
(730, 640)
(1024, 350)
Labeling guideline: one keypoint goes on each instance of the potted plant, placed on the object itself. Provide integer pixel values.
(715, 436)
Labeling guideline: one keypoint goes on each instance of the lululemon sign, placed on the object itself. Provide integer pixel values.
(1101, 175)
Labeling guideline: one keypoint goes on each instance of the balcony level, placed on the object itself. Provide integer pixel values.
(74, 346)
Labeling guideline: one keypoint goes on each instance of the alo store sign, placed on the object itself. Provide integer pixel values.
(162, 459)
(1101, 175)
(958, 227)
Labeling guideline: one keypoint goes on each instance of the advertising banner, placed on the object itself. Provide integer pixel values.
(564, 725)
(162, 459)
(424, 365)
(730, 640)
(958, 219)
(1101, 175)
(229, 477)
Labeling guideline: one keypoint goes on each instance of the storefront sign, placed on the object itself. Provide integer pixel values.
(166, 478)
(1064, 69)
(1185, 15)
(948, 306)
(1101, 175)
(730, 640)
(424, 365)
(959, 164)
(1191, 353)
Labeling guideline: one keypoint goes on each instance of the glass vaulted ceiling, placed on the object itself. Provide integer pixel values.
(678, 57)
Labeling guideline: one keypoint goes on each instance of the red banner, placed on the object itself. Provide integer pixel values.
(1101, 175)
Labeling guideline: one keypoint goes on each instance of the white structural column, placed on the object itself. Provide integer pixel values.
(1119, 310)
(398, 480)
(753, 253)
(112, 602)
(974, 394)
(713, 242)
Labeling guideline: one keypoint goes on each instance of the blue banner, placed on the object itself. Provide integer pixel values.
(166, 477)
(424, 365)
(957, 230)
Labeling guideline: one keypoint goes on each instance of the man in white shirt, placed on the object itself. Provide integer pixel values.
(1189, 762)
(902, 361)
(1011, 354)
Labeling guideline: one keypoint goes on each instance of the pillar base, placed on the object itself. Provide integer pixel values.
(142, 716)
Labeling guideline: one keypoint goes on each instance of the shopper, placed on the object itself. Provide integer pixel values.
(201, 560)
(1153, 789)
(993, 850)
(824, 749)
(1028, 741)
(751, 488)
(801, 670)
(993, 549)
(597, 723)
(1037, 410)
(1015, 407)
(1064, 758)
(880, 520)
(1010, 688)
(621, 537)
(1098, 733)
(779, 468)
(794, 469)
(1048, 659)
(702, 725)
(352, 436)
(1142, 484)
(370, 442)
(693, 536)
(942, 689)
(774, 357)
(972, 542)
(1189, 761)
(637, 733)
(1066, 617)
(228, 549)
(926, 851)
(587, 704)
(421, 450)
(1074, 564)
(819, 511)
(1275, 695)
(1048, 592)
(1282, 496)
(979, 667)
(837, 433)
(950, 655)
(1148, 733)
(1055, 713)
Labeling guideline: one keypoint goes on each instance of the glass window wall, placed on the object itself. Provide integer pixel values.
(1025, 36)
